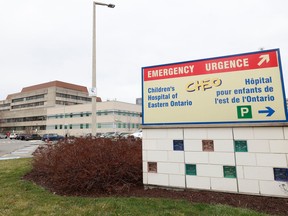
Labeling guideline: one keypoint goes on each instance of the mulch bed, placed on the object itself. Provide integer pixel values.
(268, 205)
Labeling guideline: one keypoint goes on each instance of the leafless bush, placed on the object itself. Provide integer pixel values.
(89, 166)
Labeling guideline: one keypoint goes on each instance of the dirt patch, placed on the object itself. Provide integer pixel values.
(268, 205)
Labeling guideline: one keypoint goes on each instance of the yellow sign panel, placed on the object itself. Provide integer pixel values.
(232, 89)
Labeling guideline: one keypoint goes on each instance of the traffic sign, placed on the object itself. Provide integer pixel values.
(242, 88)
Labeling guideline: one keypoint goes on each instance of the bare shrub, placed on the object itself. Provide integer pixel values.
(88, 166)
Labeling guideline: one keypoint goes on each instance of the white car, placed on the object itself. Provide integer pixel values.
(3, 136)
(13, 136)
(137, 134)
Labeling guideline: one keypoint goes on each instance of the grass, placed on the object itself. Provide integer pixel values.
(19, 197)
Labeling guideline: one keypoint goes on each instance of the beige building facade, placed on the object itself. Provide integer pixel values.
(111, 116)
(63, 108)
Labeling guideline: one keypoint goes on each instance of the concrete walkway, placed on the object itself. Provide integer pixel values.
(14, 149)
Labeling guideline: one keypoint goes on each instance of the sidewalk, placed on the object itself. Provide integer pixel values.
(24, 152)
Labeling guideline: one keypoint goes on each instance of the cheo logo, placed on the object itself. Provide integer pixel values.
(203, 84)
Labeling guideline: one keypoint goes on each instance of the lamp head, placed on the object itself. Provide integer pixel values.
(111, 5)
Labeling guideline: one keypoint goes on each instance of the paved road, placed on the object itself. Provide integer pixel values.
(13, 149)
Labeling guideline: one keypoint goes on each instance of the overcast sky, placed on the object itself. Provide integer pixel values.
(42, 41)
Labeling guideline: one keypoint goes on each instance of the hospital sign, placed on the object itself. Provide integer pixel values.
(241, 88)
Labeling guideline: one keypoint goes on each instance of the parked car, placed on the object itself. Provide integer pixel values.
(98, 134)
(107, 135)
(32, 137)
(124, 134)
(137, 134)
(3, 136)
(13, 136)
(110, 135)
(88, 135)
(52, 137)
(21, 136)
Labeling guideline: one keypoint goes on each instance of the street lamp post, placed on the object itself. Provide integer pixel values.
(94, 96)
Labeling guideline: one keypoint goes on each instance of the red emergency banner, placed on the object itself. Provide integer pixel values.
(210, 66)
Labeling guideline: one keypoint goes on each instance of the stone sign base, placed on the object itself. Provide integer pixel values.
(249, 160)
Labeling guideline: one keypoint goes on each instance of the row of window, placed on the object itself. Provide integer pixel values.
(17, 100)
(41, 96)
(119, 112)
(75, 97)
(66, 103)
(87, 125)
(99, 113)
(70, 115)
(24, 119)
(34, 97)
(28, 105)
(23, 128)
(5, 105)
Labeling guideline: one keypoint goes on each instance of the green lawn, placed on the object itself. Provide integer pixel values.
(19, 197)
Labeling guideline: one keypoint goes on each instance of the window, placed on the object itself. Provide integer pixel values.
(81, 126)
(56, 127)
(34, 97)
(87, 125)
(17, 100)
(74, 97)
(28, 105)
(5, 105)
(24, 119)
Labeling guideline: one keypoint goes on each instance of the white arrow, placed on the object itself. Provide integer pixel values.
(263, 59)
